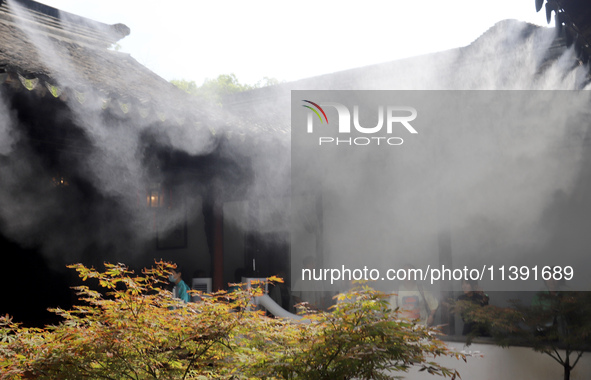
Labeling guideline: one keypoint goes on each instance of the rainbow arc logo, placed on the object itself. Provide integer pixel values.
(315, 111)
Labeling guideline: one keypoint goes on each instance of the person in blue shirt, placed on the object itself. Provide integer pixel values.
(181, 289)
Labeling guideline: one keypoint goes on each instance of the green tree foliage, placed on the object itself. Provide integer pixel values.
(555, 321)
(135, 329)
(225, 84)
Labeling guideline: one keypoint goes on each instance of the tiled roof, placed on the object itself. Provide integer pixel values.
(70, 52)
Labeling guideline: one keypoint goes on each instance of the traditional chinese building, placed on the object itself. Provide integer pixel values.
(104, 160)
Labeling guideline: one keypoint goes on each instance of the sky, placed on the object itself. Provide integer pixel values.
(195, 40)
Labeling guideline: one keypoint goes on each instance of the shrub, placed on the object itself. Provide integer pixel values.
(135, 329)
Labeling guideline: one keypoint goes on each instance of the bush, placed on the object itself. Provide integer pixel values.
(136, 330)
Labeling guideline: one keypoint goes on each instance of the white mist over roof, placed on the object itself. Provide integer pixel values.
(498, 189)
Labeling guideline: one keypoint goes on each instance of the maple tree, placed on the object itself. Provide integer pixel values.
(135, 329)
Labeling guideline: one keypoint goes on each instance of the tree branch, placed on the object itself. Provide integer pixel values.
(577, 360)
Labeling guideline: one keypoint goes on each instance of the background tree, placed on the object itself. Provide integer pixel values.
(555, 321)
(225, 84)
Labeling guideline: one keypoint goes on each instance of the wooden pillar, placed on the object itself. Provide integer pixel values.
(445, 258)
(444, 213)
(320, 258)
(447, 318)
(218, 246)
(251, 246)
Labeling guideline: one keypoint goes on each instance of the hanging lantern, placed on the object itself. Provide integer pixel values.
(155, 198)
(80, 96)
(55, 91)
(29, 84)
(59, 181)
